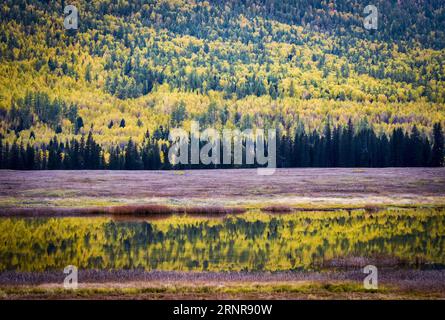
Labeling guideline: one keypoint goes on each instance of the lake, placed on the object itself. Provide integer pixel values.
(251, 242)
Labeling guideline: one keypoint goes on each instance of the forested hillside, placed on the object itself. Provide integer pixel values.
(300, 66)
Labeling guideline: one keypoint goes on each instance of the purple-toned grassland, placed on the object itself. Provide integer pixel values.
(215, 191)
(408, 278)
(393, 284)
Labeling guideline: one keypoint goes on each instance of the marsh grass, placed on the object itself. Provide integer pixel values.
(239, 288)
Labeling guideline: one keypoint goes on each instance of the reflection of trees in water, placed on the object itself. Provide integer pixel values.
(287, 242)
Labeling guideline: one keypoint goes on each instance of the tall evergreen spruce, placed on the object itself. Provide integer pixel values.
(437, 157)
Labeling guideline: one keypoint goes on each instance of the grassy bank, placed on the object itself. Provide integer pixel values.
(239, 290)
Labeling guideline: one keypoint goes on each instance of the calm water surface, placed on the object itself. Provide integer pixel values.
(251, 242)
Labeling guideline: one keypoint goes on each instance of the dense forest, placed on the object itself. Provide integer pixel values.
(338, 94)
(340, 147)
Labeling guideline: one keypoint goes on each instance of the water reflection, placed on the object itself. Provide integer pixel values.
(251, 242)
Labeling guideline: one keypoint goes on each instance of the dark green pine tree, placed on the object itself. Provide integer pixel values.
(437, 156)
(151, 157)
(75, 155)
(315, 150)
(115, 159)
(305, 151)
(14, 158)
(383, 151)
(146, 157)
(336, 138)
(426, 152)
(361, 148)
(88, 151)
(346, 146)
(22, 164)
(132, 157)
(397, 142)
(82, 153)
(326, 151)
(54, 155)
(155, 156)
(92, 153)
(30, 163)
(66, 163)
(286, 150)
(414, 150)
(297, 149)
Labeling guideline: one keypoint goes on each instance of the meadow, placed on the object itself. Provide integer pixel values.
(77, 192)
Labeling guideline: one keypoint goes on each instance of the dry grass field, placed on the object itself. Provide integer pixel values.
(405, 284)
(220, 191)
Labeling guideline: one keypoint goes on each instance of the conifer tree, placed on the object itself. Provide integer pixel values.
(437, 156)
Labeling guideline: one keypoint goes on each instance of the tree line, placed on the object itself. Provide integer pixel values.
(340, 146)
(347, 147)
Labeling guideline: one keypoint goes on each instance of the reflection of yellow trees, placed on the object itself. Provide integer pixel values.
(250, 242)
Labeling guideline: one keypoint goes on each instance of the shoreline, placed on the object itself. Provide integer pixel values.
(161, 211)
(126, 284)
